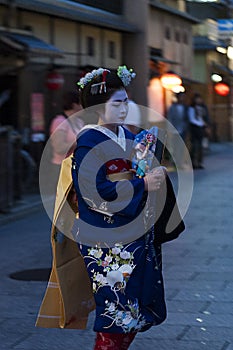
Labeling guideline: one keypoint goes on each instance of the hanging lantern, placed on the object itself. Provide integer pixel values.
(54, 81)
(222, 89)
(216, 78)
(178, 88)
(169, 80)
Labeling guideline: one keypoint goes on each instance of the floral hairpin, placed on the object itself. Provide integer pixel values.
(125, 74)
(90, 76)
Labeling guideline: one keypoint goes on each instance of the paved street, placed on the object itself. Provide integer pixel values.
(198, 274)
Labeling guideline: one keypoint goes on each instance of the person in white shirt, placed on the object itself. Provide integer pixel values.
(133, 119)
(198, 121)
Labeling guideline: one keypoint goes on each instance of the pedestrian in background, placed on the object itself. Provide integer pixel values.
(178, 116)
(199, 123)
(63, 134)
(133, 120)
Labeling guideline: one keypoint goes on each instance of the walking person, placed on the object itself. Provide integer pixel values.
(63, 133)
(128, 291)
(198, 124)
(123, 260)
(178, 116)
(133, 120)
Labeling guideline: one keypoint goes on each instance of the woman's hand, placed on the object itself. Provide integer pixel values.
(155, 178)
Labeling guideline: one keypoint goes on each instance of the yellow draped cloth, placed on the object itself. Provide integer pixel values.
(68, 298)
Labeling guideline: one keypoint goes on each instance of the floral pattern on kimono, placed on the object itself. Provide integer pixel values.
(127, 284)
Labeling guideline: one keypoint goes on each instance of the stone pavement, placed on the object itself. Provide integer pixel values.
(197, 273)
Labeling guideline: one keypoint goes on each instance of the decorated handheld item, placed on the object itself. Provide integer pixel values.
(148, 150)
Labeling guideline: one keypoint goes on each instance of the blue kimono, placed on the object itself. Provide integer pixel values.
(126, 277)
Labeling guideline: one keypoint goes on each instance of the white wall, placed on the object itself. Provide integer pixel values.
(40, 28)
(180, 52)
(94, 32)
(117, 39)
(65, 39)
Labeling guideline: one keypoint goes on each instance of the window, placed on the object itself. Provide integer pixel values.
(185, 38)
(177, 36)
(112, 49)
(90, 46)
(167, 33)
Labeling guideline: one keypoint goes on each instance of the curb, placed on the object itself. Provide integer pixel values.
(20, 212)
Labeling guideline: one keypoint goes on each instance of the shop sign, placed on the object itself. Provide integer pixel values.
(37, 112)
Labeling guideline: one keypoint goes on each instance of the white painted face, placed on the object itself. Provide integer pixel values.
(116, 108)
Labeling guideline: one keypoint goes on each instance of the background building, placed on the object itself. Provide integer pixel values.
(212, 44)
(47, 45)
(171, 49)
(38, 38)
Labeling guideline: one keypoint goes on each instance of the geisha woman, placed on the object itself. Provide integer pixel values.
(121, 255)
(126, 277)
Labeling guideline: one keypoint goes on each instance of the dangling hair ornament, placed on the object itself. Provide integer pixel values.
(100, 88)
(125, 74)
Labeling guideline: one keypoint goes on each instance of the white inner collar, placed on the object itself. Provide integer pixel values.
(119, 139)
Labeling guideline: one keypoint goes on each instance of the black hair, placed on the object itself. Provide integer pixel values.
(113, 83)
(69, 98)
(180, 94)
(194, 99)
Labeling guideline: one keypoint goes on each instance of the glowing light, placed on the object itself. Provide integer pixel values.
(178, 88)
(216, 78)
(230, 52)
(169, 80)
(222, 89)
(221, 49)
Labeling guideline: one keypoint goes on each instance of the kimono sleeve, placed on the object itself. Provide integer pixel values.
(90, 181)
(163, 233)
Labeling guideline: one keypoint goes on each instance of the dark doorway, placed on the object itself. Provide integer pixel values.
(9, 107)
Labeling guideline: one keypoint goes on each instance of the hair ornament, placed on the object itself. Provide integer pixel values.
(125, 74)
(100, 88)
(90, 76)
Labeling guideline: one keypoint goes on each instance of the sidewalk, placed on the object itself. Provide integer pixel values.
(197, 274)
(29, 203)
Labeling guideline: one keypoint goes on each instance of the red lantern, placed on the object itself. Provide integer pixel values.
(54, 81)
(222, 89)
(169, 80)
